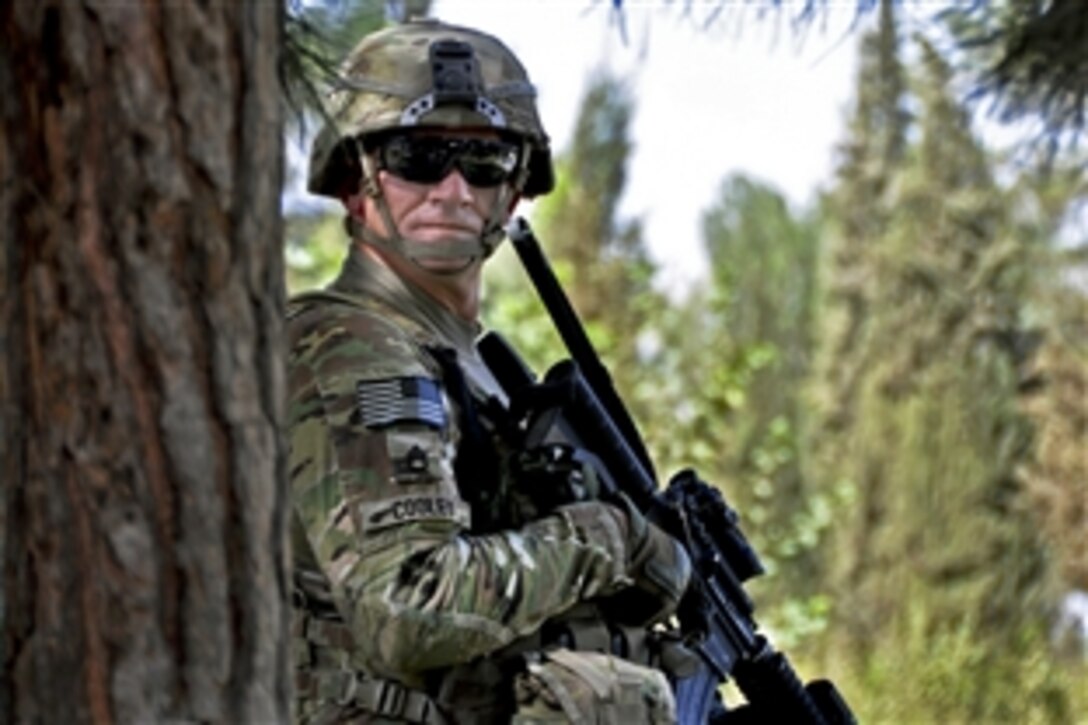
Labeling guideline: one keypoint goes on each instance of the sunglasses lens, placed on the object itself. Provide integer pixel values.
(428, 160)
(417, 160)
(487, 163)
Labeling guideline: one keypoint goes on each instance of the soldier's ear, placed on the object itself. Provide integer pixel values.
(355, 205)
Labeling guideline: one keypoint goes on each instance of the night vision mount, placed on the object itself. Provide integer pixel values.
(456, 81)
(455, 73)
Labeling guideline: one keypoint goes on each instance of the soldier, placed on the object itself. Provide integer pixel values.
(428, 587)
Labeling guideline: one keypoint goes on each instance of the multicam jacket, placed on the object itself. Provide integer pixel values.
(391, 577)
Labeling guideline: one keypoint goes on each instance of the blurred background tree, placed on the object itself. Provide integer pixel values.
(942, 555)
(763, 266)
(600, 258)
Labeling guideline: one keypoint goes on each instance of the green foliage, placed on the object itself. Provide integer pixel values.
(315, 248)
(600, 260)
(1056, 391)
(951, 676)
(1058, 473)
(941, 576)
(602, 257)
(511, 307)
(764, 275)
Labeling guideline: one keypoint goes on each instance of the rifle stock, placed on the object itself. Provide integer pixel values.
(576, 403)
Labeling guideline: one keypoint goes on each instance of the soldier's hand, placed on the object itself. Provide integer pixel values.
(651, 568)
(659, 566)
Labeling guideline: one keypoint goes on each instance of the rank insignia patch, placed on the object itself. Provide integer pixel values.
(401, 400)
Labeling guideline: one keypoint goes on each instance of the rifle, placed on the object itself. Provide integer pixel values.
(576, 404)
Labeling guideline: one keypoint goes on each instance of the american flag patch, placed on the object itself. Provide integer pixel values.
(401, 400)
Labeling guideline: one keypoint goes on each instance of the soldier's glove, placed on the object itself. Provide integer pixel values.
(659, 566)
(547, 477)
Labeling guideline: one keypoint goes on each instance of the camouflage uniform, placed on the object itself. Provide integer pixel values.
(393, 583)
(415, 601)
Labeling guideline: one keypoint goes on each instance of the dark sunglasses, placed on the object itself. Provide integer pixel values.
(429, 159)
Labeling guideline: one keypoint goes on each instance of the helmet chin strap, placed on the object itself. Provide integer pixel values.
(474, 250)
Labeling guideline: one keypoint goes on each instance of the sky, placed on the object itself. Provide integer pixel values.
(747, 96)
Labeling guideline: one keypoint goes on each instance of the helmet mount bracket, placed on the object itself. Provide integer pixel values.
(455, 73)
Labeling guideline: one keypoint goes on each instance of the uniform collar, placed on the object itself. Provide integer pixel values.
(362, 275)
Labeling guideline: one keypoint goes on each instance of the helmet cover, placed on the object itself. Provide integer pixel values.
(425, 73)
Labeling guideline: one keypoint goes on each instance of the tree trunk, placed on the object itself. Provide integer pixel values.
(141, 374)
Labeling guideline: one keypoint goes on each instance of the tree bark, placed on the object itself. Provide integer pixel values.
(141, 372)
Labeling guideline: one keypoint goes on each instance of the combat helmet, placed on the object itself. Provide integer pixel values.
(428, 73)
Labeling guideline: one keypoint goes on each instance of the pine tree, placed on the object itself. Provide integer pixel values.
(604, 258)
(952, 571)
(862, 201)
(1058, 473)
(859, 211)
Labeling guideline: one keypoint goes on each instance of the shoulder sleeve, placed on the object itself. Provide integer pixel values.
(373, 438)
(372, 432)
